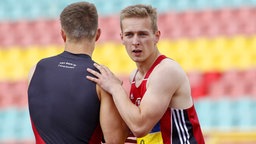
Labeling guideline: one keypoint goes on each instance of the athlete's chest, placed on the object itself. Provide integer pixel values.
(137, 92)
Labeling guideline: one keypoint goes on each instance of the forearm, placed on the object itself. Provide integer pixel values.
(130, 113)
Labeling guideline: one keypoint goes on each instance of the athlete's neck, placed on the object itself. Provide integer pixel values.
(145, 66)
(81, 47)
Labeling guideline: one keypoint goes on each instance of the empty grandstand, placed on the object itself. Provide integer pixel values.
(214, 41)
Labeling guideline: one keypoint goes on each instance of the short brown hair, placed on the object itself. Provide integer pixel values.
(79, 20)
(140, 11)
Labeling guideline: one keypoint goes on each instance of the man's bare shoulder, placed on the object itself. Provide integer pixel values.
(170, 66)
(168, 73)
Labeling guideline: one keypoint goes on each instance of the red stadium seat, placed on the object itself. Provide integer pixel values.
(191, 28)
(238, 89)
(6, 34)
(170, 25)
(198, 87)
(54, 32)
(45, 32)
(218, 89)
(5, 95)
(212, 76)
(110, 29)
(19, 95)
(249, 75)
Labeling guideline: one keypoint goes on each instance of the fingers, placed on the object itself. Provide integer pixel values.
(101, 68)
(104, 71)
(97, 66)
(92, 79)
(95, 73)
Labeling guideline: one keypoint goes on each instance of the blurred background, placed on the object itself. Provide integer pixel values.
(214, 41)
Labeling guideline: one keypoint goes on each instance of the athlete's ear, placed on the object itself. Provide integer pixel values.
(122, 37)
(157, 36)
(63, 35)
(98, 33)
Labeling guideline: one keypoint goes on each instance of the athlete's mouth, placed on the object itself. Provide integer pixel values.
(137, 51)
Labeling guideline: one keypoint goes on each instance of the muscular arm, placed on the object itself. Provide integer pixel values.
(114, 129)
(162, 84)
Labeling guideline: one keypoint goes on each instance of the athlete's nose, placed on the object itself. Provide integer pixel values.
(135, 40)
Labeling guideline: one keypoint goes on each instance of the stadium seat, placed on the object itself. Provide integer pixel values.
(53, 31)
(212, 76)
(245, 111)
(203, 107)
(195, 78)
(23, 125)
(214, 41)
(20, 93)
(8, 126)
(15, 125)
(192, 26)
(224, 114)
(218, 4)
(238, 89)
(31, 55)
(199, 5)
(162, 6)
(165, 46)
(249, 74)
(6, 34)
(198, 87)
(252, 90)
(5, 95)
(46, 32)
(218, 89)
(232, 74)
(4, 29)
(170, 25)
(110, 29)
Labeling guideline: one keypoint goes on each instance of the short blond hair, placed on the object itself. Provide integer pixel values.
(140, 11)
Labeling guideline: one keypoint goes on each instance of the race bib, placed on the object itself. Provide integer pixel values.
(151, 138)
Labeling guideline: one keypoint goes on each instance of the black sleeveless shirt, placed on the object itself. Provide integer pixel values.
(63, 104)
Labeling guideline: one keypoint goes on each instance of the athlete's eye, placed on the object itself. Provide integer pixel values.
(142, 34)
(128, 34)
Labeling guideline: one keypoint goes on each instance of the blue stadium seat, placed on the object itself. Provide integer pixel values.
(244, 110)
(23, 129)
(15, 125)
(206, 110)
(9, 117)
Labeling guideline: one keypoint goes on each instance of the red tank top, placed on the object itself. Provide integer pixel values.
(177, 126)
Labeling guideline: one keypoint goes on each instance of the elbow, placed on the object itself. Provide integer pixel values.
(140, 127)
(139, 135)
(139, 131)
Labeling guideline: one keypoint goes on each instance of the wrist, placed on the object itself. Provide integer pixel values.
(116, 88)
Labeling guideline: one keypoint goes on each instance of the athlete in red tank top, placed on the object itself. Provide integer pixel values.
(160, 107)
(177, 126)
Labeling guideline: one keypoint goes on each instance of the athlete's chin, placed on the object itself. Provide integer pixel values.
(137, 59)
